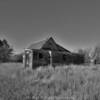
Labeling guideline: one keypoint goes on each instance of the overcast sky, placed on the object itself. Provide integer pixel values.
(73, 23)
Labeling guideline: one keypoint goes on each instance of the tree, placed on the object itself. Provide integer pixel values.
(86, 53)
(5, 50)
(96, 54)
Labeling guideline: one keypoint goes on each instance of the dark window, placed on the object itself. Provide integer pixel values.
(40, 55)
(64, 57)
(35, 55)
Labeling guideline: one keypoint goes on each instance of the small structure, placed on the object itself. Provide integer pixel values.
(46, 52)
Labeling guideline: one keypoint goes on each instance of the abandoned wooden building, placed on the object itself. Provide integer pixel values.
(48, 52)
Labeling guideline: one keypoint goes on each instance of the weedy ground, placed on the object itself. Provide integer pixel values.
(71, 82)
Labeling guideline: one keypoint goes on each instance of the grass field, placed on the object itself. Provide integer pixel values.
(64, 83)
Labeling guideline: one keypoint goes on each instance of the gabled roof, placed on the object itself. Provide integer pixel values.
(48, 44)
(37, 45)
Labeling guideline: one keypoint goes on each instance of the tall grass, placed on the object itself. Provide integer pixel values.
(62, 83)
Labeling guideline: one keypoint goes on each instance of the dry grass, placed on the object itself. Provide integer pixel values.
(64, 83)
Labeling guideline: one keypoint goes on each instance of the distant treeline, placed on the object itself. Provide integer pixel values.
(7, 54)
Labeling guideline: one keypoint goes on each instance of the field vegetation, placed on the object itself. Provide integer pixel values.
(62, 83)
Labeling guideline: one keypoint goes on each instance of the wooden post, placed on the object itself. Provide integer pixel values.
(28, 58)
(24, 57)
(31, 59)
(50, 53)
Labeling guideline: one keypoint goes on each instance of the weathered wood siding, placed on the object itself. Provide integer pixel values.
(42, 58)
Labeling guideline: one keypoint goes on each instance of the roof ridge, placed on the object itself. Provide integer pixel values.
(39, 41)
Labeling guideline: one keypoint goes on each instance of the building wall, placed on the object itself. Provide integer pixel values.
(42, 58)
(36, 58)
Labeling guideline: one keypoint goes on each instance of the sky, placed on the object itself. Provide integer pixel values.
(73, 23)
